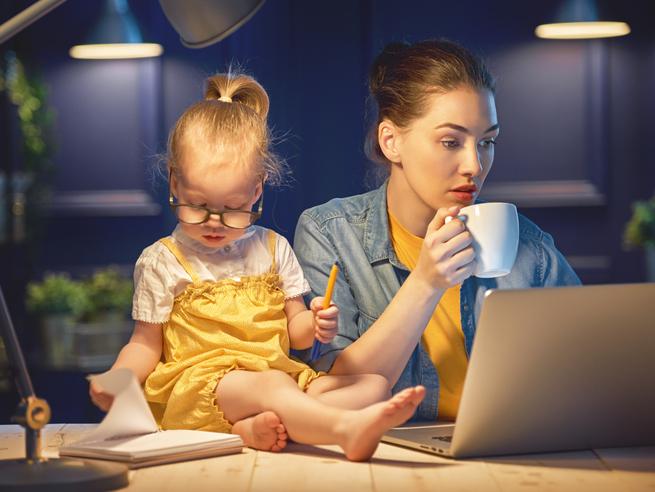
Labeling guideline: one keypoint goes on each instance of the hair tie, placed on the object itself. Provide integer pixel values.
(226, 99)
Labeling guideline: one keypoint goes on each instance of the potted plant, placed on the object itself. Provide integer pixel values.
(640, 232)
(84, 322)
(105, 326)
(58, 301)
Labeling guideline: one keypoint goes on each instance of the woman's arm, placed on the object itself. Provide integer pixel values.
(446, 259)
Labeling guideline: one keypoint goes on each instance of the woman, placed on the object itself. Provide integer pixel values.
(405, 273)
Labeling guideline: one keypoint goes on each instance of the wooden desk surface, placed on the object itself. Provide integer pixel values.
(324, 468)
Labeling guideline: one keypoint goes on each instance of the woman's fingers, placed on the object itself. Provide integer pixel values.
(439, 218)
(447, 257)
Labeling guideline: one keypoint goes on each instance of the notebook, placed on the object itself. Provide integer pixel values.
(129, 433)
(553, 369)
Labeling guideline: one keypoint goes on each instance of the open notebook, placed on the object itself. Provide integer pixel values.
(129, 433)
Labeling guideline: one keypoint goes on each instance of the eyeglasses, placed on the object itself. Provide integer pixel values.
(198, 214)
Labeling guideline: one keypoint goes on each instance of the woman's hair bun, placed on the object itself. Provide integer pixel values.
(386, 59)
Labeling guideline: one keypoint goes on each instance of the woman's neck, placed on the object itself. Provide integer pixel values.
(407, 207)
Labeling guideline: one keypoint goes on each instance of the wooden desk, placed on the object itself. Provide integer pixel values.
(392, 469)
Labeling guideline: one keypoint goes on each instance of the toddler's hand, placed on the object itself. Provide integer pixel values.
(100, 397)
(325, 320)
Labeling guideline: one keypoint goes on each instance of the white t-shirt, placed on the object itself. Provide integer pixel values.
(159, 277)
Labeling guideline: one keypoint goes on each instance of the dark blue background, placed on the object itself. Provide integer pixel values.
(573, 114)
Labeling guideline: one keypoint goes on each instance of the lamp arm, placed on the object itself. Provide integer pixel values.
(32, 413)
(14, 352)
(23, 19)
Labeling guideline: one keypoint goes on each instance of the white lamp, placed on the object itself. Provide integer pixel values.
(116, 36)
(579, 19)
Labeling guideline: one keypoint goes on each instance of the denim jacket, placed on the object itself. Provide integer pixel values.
(354, 232)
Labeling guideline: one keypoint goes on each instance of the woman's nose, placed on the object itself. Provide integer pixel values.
(472, 164)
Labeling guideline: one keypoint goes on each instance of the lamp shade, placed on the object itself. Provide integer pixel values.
(580, 19)
(203, 22)
(116, 35)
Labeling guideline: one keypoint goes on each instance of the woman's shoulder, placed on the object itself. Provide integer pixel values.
(529, 230)
(531, 233)
(352, 207)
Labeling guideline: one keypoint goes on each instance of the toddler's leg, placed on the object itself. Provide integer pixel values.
(352, 392)
(242, 394)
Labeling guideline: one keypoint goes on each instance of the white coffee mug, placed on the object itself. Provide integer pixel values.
(495, 230)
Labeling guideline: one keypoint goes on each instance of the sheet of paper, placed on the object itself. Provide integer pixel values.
(129, 414)
(163, 443)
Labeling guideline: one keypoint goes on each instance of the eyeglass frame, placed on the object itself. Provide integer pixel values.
(209, 212)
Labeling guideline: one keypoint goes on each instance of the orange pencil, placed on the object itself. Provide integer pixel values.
(326, 304)
(330, 286)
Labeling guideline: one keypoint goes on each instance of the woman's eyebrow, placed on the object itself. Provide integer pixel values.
(463, 129)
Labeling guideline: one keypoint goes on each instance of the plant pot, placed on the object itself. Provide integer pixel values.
(650, 263)
(57, 334)
(97, 344)
(87, 346)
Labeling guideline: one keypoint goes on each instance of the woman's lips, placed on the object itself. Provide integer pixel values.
(463, 196)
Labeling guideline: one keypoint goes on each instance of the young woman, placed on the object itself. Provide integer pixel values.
(408, 303)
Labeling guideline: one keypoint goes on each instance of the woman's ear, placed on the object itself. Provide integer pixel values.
(389, 139)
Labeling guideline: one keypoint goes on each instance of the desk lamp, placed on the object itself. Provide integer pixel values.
(199, 23)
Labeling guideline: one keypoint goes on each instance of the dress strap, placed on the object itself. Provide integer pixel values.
(172, 247)
(272, 241)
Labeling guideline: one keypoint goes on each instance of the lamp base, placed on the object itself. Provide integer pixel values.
(62, 474)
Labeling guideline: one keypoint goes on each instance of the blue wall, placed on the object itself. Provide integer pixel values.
(576, 146)
(564, 108)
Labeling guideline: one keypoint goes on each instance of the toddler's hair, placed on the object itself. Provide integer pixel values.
(233, 113)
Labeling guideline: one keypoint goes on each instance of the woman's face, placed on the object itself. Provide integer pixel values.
(445, 155)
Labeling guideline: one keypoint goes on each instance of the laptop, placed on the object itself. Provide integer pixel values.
(553, 369)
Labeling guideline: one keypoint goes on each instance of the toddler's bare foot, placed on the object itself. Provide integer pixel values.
(363, 428)
(264, 431)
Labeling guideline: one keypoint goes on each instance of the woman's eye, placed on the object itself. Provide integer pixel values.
(450, 144)
(488, 143)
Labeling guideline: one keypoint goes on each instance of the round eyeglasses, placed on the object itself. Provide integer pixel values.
(198, 214)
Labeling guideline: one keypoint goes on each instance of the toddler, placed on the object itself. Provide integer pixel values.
(219, 303)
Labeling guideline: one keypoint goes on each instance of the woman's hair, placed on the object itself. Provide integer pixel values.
(404, 76)
(233, 113)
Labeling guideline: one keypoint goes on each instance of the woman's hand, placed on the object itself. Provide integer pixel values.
(447, 257)
(325, 320)
(100, 397)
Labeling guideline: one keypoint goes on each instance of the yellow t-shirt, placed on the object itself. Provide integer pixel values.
(443, 337)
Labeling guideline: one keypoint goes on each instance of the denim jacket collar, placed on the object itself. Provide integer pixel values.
(377, 240)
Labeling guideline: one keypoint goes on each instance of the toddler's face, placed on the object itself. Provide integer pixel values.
(218, 184)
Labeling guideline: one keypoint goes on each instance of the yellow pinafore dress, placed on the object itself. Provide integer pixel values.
(214, 328)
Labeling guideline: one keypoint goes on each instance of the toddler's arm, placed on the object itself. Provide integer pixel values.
(306, 324)
(141, 355)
